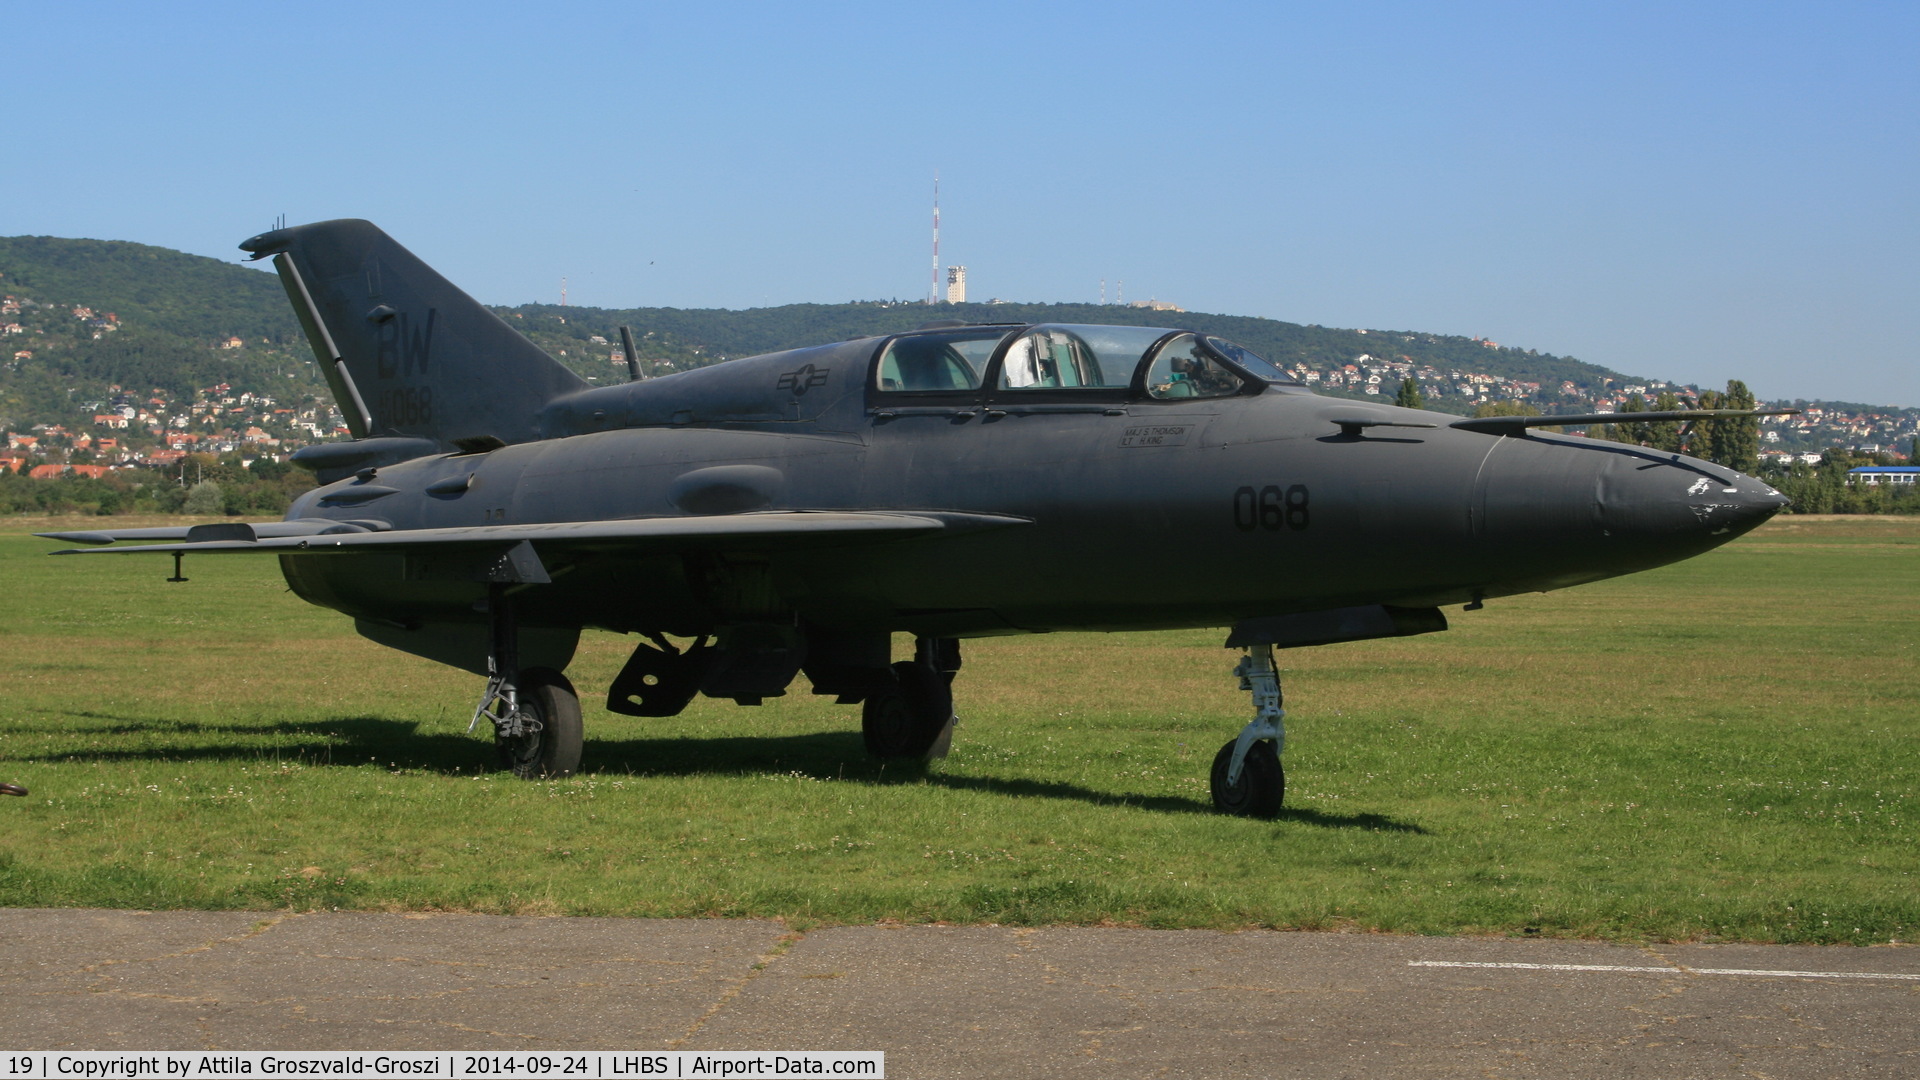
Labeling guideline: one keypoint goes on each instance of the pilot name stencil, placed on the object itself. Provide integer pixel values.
(803, 379)
(1156, 435)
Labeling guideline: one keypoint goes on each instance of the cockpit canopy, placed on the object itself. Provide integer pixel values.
(1105, 361)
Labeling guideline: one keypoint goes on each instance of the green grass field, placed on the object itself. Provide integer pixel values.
(1723, 749)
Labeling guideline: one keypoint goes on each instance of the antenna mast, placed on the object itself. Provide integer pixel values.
(563, 292)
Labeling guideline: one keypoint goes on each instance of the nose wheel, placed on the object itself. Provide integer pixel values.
(1247, 778)
(1261, 786)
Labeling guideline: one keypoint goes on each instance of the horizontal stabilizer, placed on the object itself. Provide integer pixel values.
(782, 528)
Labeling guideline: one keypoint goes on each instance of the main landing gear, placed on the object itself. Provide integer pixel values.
(535, 712)
(1247, 777)
(913, 716)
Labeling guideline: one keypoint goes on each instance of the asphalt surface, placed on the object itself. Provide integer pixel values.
(957, 1001)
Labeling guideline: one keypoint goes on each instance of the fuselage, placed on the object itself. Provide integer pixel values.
(1142, 509)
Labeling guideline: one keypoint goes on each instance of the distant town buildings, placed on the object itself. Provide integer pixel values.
(1873, 475)
(956, 284)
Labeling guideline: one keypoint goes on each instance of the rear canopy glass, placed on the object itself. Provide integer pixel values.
(953, 359)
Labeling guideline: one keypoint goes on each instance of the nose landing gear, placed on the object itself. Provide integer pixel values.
(1247, 777)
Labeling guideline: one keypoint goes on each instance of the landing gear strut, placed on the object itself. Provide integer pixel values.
(535, 713)
(1247, 777)
(913, 718)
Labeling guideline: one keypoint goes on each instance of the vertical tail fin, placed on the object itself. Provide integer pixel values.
(405, 352)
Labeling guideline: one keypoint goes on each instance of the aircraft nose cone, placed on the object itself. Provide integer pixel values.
(1557, 512)
(1675, 497)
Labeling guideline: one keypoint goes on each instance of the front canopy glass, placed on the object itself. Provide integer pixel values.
(1183, 368)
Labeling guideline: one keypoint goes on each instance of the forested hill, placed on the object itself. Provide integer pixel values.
(154, 288)
(85, 324)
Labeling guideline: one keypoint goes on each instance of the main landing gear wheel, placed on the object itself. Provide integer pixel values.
(550, 748)
(1262, 785)
(906, 720)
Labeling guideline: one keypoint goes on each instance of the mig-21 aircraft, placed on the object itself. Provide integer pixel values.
(791, 513)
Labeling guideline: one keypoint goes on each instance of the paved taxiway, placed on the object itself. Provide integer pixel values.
(959, 1001)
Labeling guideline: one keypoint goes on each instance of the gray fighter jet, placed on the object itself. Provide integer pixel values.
(792, 512)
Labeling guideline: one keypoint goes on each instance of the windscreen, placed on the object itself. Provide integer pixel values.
(1250, 362)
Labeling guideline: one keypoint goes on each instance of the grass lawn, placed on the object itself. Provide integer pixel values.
(1728, 748)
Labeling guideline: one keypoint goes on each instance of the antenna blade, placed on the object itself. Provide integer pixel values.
(633, 358)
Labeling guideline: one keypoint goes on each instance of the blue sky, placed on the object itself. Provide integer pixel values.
(1697, 192)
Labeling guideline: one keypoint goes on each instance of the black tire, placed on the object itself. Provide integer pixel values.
(554, 750)
(905, 720)
(1262, 786)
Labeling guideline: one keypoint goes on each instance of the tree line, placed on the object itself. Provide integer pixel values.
(202, 484)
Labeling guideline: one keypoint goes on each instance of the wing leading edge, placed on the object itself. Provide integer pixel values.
(783, 527)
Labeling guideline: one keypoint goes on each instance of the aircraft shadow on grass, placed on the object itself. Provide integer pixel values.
(367, 740)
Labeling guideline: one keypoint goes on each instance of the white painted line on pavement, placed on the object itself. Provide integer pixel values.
(1671, 970)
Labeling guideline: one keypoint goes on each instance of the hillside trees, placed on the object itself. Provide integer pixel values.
(1637, 432)
(1506, 408)
(1733, 441)
(189, 296)
(1703, 435)
(1736, 439)
(1665, 434)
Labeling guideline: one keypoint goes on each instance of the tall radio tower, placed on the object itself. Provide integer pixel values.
(933, 284)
